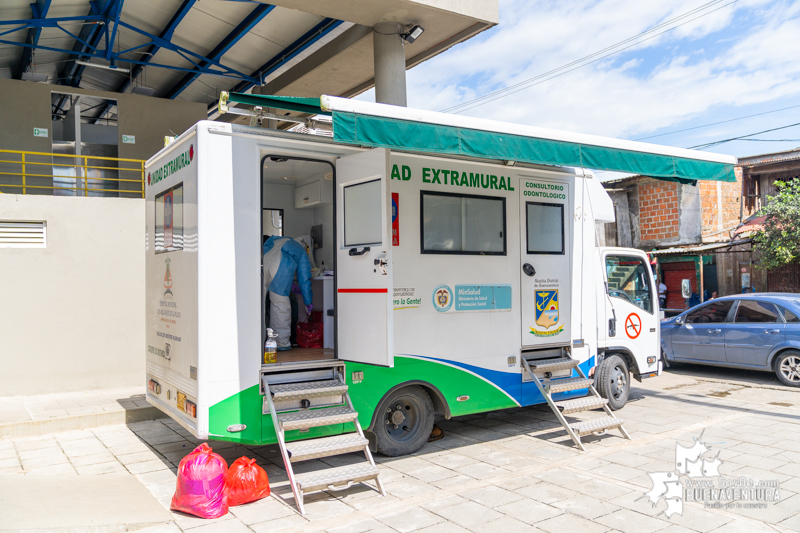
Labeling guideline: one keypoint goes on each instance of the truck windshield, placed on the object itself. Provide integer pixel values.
(628, 280)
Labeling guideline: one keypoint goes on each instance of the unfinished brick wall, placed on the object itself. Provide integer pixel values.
(710, 198)
(658, 211)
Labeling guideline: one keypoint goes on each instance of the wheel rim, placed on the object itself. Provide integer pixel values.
(402, 419)
(790, 368)
(619, 382)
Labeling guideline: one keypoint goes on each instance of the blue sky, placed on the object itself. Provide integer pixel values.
(739, 58)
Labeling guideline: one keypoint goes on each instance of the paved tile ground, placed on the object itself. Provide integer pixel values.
(45, 407)
(507, 471)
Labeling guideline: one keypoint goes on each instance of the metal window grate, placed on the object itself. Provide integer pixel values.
(19, 234)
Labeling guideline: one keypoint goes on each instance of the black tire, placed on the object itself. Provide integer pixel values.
(613, 381)
(404, 433)
(787, 368)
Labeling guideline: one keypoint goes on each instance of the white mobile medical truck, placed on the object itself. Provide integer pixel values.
(465, 278)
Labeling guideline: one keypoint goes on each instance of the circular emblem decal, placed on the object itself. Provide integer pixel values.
(442, 298)
(633, 325)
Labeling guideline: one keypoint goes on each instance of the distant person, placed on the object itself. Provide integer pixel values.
(662, 295)
(714, 295)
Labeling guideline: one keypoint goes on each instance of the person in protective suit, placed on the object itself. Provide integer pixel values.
(282, 258)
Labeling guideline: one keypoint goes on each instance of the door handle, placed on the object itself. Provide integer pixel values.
(354, 251)
(715, 331)
(772, 331)
(529, 270)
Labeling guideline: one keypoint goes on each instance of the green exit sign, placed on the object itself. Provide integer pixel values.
(41, 132)
(128, 139)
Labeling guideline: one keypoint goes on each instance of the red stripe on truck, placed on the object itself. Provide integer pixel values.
(364, 290)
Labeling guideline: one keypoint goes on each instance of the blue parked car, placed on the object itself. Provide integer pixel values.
(760, 331)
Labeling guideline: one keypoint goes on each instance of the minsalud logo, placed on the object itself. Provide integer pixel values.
(183, 160)
(696, 478)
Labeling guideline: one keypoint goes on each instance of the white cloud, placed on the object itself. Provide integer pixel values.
(613, 97)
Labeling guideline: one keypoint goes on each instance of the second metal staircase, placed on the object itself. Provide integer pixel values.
(310, 396)
(548, 386)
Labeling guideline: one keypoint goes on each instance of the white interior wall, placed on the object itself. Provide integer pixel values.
(72, 314)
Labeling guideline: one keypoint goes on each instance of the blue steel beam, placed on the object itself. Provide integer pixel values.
(91, 33)
(39, 10)
(309, 38)
(250, 22)
(148, 55)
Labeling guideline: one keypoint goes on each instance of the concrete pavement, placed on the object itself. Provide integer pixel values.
(513, 470)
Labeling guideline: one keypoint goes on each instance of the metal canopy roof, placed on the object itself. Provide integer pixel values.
(192, 50)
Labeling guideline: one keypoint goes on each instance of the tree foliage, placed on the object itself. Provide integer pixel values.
(779, 239)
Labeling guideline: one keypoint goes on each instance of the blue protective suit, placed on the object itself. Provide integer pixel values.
(293, 258)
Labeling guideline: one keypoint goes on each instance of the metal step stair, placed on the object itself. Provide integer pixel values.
(548, 386)
(288, 395)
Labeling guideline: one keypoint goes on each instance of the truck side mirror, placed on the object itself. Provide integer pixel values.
(686, 288)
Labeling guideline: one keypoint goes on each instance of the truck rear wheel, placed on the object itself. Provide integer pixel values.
(403, 422)
(612, 380)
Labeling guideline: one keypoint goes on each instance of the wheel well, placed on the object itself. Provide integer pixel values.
(778, 354)
(440, 406)
(629, 360)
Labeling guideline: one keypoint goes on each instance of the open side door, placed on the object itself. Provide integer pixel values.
(363, 260)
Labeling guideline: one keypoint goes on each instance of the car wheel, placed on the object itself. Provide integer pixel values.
(612, 380)
(403, 422)
(787, 368)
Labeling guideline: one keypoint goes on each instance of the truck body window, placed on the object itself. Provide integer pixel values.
(545, 228)
(628, 280)
(362, 214)
(169, 220)
(463, 224)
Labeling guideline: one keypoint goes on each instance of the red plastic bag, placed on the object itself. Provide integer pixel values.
(309, 334)
(245, 482)
(200, 486)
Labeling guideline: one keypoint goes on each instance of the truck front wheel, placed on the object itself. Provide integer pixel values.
(403, 421)
(612, 380)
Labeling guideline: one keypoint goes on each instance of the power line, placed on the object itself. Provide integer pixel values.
(715, 123)
(549, 75)
(741, 137)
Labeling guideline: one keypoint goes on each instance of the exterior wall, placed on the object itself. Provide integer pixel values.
(73, 313)
(720, 206)
(148, 119)
(658, 211)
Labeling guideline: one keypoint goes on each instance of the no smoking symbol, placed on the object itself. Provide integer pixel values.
(633, 325)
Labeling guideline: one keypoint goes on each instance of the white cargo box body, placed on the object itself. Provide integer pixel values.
(203, 318)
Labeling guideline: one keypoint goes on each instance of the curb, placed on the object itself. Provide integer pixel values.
(36, 428)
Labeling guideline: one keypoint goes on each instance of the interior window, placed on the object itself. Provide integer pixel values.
(628, 280)
(790, 317)
(362, 214)
(751, 311)
(711, 313)
(463, 224)
(545, 223)
(169, 220)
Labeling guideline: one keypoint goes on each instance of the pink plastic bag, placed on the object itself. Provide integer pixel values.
(200, 487)
(245, 482)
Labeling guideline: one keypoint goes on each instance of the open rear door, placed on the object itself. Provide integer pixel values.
(363, 261)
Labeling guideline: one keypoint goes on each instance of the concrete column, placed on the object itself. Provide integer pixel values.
(390, 63)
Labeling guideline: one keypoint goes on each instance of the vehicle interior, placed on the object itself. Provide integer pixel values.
(297, 203)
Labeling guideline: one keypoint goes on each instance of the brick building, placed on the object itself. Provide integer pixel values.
(700, 231)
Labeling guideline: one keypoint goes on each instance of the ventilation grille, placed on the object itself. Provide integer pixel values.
(14, 234)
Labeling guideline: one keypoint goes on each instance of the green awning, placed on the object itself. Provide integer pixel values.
(288, 103)
(426, 137)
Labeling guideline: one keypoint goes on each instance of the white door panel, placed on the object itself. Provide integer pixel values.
(363, 261)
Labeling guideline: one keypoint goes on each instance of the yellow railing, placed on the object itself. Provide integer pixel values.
(84, 173)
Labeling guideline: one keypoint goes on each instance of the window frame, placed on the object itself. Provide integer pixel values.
(164, 249)
(780, 318)
(563, 229)
(344, 215)
(728, 318)
(422, 249)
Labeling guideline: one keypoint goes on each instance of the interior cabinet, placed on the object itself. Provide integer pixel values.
(313, 194)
